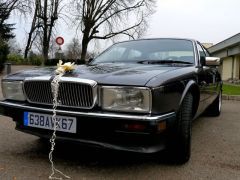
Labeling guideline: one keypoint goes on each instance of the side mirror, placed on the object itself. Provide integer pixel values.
(203, 60)
(213, 61)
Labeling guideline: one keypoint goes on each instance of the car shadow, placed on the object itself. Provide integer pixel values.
(74, 154)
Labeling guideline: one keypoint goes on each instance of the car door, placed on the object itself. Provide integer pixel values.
(206, 80)
(213, 79)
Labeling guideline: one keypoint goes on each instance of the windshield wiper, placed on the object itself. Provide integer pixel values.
(164, 61)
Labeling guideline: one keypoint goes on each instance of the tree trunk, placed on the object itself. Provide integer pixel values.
(27, 47)
(29, 44)
(45, 33)
(85, 42)
(45, 54)
(84, 51)
(33, 27)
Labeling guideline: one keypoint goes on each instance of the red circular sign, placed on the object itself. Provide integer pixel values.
(60, 41)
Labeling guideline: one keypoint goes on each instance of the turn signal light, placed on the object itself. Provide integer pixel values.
(162, 126)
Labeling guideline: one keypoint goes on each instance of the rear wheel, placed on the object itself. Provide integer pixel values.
(215, 108)
(179, 146)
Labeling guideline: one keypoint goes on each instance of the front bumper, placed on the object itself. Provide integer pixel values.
(100, 129)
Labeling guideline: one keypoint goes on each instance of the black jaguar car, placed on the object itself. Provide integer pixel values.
(140, 96)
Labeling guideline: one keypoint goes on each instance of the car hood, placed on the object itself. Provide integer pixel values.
(107, 73)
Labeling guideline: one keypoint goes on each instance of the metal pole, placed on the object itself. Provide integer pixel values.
(8, 67)
(60, 52)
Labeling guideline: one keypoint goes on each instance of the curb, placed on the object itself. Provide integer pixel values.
(230, 97)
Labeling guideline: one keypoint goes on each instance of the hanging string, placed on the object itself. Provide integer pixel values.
(55, 89)
(62, 68)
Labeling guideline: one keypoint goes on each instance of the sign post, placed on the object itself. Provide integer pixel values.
(60, 41)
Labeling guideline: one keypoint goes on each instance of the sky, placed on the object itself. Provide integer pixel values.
(209, 21)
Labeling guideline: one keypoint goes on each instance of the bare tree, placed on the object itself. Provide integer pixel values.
(32, 33)
(105, 19)
(74, 49)
(6, 9)
(44, 18)
(8, 6)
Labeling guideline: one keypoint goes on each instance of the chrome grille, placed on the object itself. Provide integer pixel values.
(71, 94)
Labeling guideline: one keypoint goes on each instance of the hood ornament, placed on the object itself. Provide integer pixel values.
(63, 68)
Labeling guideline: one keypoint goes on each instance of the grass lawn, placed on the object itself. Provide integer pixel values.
(231, 89)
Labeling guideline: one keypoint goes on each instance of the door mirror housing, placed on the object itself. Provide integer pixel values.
(203, 61)
(212, 61)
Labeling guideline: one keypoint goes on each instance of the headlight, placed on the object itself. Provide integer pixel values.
(126, 99)
(13, 90)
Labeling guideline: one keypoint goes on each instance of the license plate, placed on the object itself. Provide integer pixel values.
(45, 121)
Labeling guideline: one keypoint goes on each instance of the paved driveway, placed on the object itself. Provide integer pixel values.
(215, 155)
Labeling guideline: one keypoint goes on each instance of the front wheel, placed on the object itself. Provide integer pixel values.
(179, 146)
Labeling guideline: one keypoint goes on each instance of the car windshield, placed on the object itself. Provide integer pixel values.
(155, 51)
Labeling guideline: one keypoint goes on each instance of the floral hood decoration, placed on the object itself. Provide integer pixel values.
(66, 67)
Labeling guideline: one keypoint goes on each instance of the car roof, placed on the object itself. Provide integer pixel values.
(188, 39)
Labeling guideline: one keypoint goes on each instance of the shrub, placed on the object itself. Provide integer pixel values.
(52, 62)
(37, 60)
(15, 58)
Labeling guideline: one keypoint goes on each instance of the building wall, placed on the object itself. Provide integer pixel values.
(227, 68)
(229, 51)
(239, 67)
(236, 67)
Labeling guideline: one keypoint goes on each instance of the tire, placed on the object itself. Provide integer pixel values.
(215, 108)
(179, 146)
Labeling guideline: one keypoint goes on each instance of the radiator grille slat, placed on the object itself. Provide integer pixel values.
(71, 94)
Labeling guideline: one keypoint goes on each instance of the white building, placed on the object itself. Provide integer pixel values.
(229, 52)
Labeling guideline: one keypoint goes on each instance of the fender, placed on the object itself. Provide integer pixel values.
(189, 85)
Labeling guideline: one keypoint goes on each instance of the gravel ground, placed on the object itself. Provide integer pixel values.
(215, 155)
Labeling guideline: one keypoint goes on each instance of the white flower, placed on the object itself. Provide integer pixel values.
(62, 68)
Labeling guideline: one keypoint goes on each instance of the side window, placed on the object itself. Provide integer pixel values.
(206, 52)
(201, 51)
